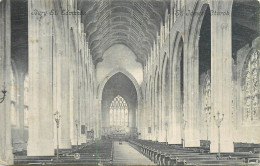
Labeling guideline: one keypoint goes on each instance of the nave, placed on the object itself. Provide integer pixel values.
(172, 77)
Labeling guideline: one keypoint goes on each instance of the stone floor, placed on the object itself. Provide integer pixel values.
(124, 154)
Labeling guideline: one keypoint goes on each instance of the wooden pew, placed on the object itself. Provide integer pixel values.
(246, 147)
(163, 154)
(99, 152)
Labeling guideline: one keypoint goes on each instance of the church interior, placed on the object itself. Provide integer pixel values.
(139, 82)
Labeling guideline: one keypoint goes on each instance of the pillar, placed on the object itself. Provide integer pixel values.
(61, 73)
(99, 120)
(65, 141)
(165, 104)
(191, 95)
(41, 121)
(82, 92)
(160, 110)
(73, 85)
(143, 118)
(221, 77)
(150, 111)
(21, 78)
(176, 110)
(6, 155)
(156, 108)
(153, 104)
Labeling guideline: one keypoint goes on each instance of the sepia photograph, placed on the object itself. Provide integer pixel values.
(129, 82)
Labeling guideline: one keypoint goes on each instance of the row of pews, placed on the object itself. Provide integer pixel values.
(166, 154)
(94, 153)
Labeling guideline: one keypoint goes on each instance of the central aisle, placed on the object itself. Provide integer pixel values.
(124, 154)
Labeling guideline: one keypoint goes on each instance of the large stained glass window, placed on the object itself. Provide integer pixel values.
(251, 88)
(118, 112)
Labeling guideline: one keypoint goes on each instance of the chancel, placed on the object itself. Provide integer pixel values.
(130, 82)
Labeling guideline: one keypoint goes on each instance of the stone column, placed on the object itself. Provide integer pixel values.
(150, 110)
(21, 78)
(221, 77)
(154, 128)
(65, 142)
(95, 115)
(176, 111)
(73, 86)
(81, 111)
(143, 111)
(164, 106)
(191, 95)
(82, 92)
(41, 121)
(147, 114)
(147, 111)
(156, 108)
(6, 155)
(104, 123)
(160, 110)
(99, 120)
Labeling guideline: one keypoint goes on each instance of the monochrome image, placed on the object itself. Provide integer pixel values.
(129, 82)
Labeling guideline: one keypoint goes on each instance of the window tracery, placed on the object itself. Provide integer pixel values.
(251, 88)
(118, 112)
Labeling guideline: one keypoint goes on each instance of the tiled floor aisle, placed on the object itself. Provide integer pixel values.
(126, 155)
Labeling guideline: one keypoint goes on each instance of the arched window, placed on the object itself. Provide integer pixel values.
(118, 112)
(251, 88)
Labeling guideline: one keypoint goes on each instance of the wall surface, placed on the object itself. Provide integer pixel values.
(119, 56)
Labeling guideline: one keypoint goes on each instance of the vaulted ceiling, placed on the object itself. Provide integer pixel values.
(133, 23)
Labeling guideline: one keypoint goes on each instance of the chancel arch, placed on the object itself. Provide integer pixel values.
(113, 72)
(120, 98)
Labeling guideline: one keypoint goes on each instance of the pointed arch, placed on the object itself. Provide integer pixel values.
(126, 73)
